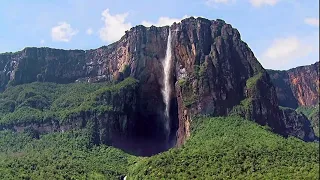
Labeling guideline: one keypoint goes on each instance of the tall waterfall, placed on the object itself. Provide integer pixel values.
(166, 90)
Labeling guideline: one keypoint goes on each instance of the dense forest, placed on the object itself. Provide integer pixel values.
(40, 102)
(219, 147)
(233, 148)
(59, 156)
(177, 97)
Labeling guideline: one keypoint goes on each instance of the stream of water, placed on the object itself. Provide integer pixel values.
(166, 91)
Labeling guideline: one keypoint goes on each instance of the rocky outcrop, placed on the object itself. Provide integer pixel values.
(214, 71)
(298, 86)
(297, 125)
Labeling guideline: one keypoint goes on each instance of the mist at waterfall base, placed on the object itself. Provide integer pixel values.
(166, 90)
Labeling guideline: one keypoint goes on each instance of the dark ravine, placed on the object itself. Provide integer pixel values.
(215, 73)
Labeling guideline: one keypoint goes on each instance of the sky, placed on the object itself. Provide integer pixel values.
(282, 33)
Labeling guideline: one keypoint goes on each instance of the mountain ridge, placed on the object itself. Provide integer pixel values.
(297, 67)
(214, 73)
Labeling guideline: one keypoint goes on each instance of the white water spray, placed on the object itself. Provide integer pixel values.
(166, 91)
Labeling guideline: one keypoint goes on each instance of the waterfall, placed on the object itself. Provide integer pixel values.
(166, 90)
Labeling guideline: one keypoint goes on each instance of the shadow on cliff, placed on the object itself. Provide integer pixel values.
(150, 136)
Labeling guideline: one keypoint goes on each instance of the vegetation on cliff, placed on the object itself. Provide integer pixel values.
(245, 108)
(217, 74)
(312, 113)
(41, 102)
(218, 148)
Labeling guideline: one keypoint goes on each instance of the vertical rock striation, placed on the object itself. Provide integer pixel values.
(214, 73)
(298, 86)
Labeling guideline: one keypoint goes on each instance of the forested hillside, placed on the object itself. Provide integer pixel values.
(218, 148)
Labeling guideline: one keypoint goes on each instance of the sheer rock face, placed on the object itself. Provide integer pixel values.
(216, 71)
(298, 86)
(297, 125)
(210, 74)
(211, 57)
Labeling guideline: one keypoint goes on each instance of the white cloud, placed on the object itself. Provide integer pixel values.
(312, 21)
(259, 3)
(114, 26)
(42, 41)
(63, 32)
(89, 31)
(163, 21)
(285, 51)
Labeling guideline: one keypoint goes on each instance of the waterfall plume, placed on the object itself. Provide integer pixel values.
(166, 90)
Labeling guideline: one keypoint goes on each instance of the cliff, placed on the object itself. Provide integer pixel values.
(298, 86)
(214, 73)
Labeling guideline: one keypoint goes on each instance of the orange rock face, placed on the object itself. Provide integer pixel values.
(305, 84)
(211, 67)
(298, 86)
